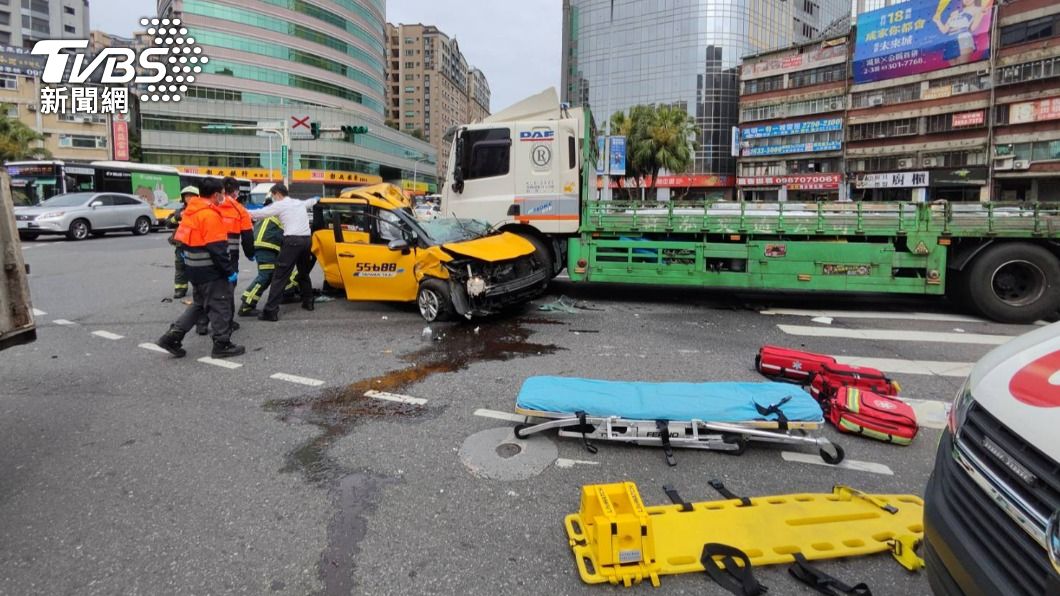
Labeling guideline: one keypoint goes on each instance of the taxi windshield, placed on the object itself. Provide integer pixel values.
(454, 229)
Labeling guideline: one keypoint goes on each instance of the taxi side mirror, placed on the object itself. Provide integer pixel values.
(396, 245)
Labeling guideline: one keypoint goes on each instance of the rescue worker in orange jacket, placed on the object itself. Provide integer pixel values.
(240, 233)
(203, 237)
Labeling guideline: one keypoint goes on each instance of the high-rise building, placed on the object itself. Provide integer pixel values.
(25, 22)
(430, 87)
(283, 61)
(621, 53)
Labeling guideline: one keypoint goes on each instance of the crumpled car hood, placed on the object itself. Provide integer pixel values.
(501, 247)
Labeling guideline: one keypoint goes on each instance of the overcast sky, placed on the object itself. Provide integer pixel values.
(517, 44)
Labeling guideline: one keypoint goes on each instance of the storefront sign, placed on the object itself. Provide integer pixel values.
(1034, 111)
(920, 36)
(254, 174)
(20, 61)
(120, 132)
(792, 128)
(328, 176)
(964, 119)
(967, 176)
(680, 181)
(893, 180)
(786, 149)
(795, 181)
(789, 62)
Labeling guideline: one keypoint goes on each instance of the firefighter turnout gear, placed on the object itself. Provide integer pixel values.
(268, 240)
(180, 277)
(202, 238)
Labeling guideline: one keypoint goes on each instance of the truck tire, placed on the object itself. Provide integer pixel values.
(1014, 283)
(542, 253)
(434, 301)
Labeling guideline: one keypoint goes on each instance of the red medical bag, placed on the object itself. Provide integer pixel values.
(879, 417)
(833, 377)
(775, 361)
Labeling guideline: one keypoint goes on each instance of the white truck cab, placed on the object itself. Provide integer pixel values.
(520, 171)
(992, 505)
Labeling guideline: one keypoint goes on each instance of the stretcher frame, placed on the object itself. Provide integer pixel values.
(726, 437)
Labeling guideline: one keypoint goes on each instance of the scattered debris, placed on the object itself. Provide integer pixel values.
(566, 305)
(428, 333)
(167, 300)
(958, 330)
(386, 318)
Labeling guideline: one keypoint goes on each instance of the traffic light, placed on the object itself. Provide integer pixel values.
(315, 127)
(350, 132)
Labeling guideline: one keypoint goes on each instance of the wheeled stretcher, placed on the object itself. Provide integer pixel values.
(716, 416)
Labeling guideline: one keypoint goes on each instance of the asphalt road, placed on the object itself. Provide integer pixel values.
(124, 471)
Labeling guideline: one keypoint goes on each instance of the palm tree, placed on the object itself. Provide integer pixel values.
(669, 144)
(17, 140)
(634, 127)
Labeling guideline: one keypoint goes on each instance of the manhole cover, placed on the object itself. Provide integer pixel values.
(498, 455)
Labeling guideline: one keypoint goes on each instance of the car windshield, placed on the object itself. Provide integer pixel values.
(70, 200)
(454, 230)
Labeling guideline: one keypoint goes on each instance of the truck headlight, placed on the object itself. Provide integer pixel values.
(959, 410)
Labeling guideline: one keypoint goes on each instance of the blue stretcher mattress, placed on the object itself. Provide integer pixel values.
(709, 402)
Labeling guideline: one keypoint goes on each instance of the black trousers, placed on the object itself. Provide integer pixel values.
(212, 301)
(203, 320)
(294, 254)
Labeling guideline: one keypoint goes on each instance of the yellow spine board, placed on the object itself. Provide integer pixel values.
(617, 540)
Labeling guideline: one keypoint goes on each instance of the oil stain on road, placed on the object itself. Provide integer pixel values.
(337, 411)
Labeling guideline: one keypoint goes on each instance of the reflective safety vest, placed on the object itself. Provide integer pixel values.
(269, 235)
(203, 237)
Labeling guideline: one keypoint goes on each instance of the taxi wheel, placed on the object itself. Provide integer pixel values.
(434, 301)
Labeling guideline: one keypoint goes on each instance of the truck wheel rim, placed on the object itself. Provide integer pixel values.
(1018, 283)
(428, 305)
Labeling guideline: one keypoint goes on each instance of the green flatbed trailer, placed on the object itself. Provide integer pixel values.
(999, 260)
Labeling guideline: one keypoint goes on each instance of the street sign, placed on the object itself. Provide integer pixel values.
(300, 127)
(284, 161)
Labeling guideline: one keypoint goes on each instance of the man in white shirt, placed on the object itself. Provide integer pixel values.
(293, 215)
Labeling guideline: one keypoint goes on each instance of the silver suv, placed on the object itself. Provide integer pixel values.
(79, 214)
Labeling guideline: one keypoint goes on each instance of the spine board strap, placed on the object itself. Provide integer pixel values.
(675, 497)
(782, 420)
(822, 582)
(719, 486)
(734, 577)
(585, 428)
(664, 435)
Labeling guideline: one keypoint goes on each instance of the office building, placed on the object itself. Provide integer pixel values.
(25, 22)
(431, 87)
(685, 53)
(285, 62)
(792, 113)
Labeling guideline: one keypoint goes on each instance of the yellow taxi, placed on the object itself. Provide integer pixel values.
(370, 245)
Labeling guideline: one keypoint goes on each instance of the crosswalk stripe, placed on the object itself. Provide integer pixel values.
(494, 414)
(896, 335)
(153, 348)
(108, 335)
(297, 380)
(395, 397)
(848, 464)
(929, 413)
(910, 367)
(220, 363)
(38, 313)
(868, 314)
(64, 323)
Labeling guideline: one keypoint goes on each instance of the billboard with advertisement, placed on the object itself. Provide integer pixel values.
(794, 181)
(1034, 111)
(966, 119)
(786, 149)
(156, 189)
(617, 156)
(921, 36)
(792, 128)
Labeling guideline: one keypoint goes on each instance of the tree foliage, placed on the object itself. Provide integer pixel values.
(18, 141)
(658, 139)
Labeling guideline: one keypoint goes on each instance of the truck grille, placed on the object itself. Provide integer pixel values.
(1028, 481)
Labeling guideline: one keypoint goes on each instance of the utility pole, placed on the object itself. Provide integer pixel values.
(279, 130)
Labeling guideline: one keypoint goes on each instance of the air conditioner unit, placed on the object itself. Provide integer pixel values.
(876, 100)
(1003, 164)
(905, 164)
(834, 105)
(1021, 164)
(79, 120)
(930, 162)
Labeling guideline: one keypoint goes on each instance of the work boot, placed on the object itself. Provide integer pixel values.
(178, 294)
(272, 317)
(202, 328)
(235, 326)
(308, 306)
(248, 311)
(171, 342)
(227, 349)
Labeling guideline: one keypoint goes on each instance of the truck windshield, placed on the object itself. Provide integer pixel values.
(442, 231)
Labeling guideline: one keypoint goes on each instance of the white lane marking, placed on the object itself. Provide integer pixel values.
(494, 414)
(38, 313)
(154, 348)
(897, 335)
(395, 397)
(570, 463)
(910, 367)
(296, 379)
(64, 322)
(220, 363)
(822, 320)
(108, 335)
(870, 314)
(929, 413)
(847, 464)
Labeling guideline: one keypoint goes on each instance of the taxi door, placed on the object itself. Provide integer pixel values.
(384, 267)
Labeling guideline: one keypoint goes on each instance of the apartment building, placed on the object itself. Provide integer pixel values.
(25, 22)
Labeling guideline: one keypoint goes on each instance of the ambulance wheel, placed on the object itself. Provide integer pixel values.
(434, 301)
(833, 459)
(739, 441)
(1014, 283)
